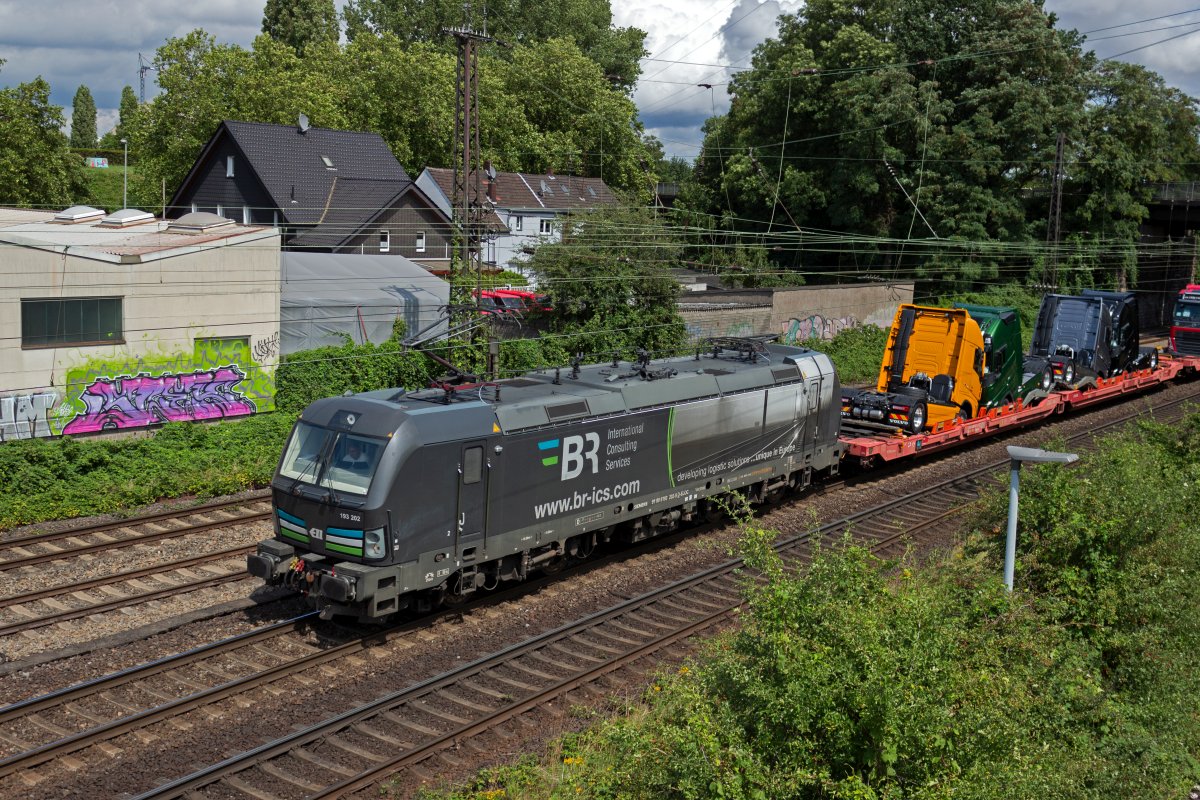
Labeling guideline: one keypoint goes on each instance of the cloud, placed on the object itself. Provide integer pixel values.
(749, 24)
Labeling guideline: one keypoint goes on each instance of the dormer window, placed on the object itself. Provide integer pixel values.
(328, 162)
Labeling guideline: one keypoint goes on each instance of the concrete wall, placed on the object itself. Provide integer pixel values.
(200, 337)
(795, 314)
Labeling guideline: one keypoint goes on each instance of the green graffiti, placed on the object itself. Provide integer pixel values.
(258, 385)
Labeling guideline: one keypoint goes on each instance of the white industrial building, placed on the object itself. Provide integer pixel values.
(119, 321)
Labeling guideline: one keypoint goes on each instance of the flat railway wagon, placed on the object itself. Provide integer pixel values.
(388, 500)
(870, 446)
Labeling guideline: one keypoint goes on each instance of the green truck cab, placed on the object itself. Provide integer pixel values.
(1006, 378)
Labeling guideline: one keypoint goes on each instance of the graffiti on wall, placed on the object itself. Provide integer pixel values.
(266, 348)
(24, 416)
(132, 401)
(115, 390)
(816, 326)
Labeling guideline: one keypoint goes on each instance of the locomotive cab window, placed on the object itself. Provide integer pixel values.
(473, 465)
(331, 460)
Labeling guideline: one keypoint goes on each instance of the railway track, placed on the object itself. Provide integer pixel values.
(32, 549)
(54, 605)
(404, 729)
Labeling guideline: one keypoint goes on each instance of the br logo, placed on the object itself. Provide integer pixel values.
(576, 452)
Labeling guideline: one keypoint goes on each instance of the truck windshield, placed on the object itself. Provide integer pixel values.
(331, 459)
(1187, 314)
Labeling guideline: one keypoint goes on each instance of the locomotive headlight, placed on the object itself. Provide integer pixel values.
(374, 543)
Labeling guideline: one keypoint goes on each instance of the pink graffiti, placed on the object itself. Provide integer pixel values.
(135, 402)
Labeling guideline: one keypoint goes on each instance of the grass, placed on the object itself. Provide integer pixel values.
(105, 187)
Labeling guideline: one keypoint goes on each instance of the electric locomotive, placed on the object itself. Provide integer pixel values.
(391, 500)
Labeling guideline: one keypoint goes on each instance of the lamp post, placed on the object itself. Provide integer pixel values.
(125, 176)
(1021, 455)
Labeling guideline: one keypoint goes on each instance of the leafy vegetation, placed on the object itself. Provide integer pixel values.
(37, 167)
(610, 284)
(917, 120)
(301, 24)
(869, 679)
(105, 186)
(61, 478)
(545, 104)
(83, 119)
(856, 352)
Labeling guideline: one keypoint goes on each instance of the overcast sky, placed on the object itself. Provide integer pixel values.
(691, 42)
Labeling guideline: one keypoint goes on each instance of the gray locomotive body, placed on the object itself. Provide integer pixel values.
(389, 500)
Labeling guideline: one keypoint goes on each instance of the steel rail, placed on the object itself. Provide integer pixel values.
(963, 486)
(117, 544)
(120, 577)
(158, 516)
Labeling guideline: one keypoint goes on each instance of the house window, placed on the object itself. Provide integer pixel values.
(78, 321)
(420, 241)
(517, 223)
(194, 208)
(228, 166)
(385, 241)
(545, 226)
(245, 215)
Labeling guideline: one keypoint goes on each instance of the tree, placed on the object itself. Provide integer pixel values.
(1136, 131)
(204, 83)
(126, 121)
(617, 51)
(610, 283)
(37, 167)
(301, 23)
(83, 119)
(915, 119)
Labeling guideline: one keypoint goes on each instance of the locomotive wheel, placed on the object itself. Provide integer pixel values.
(916, 418)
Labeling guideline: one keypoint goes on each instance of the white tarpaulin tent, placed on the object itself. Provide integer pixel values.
(326, 297)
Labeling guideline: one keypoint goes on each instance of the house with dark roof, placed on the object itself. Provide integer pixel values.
(327, 190)
(523, 208)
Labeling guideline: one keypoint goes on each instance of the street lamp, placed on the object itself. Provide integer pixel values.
(1021, 455)
(125, 176)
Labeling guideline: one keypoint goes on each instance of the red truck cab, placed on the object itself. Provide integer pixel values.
(1185, 322)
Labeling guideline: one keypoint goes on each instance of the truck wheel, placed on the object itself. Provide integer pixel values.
(964, 413)
(916, 418)
(1047, 382)
(1069, 372)
(1154, 359)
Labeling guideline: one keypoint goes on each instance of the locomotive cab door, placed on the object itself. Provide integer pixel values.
(472, 500)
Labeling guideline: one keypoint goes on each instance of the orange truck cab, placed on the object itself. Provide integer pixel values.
(932, 372)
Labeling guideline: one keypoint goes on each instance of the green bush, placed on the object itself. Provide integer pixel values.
(43, 479)
(868, 679)
(310, 375)
(856, 352)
